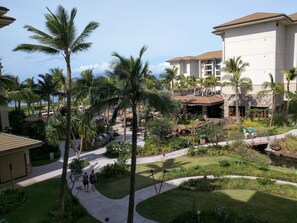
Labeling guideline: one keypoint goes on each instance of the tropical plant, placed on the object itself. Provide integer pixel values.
(46, 87)
(273, 88)
(61, 83)
(61, 39)
(235, 67)
(30, 86)
(85, 85)
(130, 90)
(6, 81)
(169, 77)
(289, 76)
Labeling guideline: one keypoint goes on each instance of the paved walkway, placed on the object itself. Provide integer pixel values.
(100, 206)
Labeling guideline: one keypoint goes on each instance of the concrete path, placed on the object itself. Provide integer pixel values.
(100, 206)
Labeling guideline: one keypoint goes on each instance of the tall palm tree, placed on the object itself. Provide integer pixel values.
(61, 83)
(30, 86)
(169, 77)
(6, 82)
(46, 87)
(86, 84)
(61, 39)
(289, 76)
(131, 90)
(273, 88)
(235, 67)
(181, 82)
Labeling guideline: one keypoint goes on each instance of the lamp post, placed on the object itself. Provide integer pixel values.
(11, 179)
(198, 215)
(164, 172)
(152, 172)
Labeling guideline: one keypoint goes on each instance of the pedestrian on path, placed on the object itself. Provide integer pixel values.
(93, 179)
(252, 132)
(245, 133)
(86, 182)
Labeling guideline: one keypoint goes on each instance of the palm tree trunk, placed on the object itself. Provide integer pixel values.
(48, 107)
(133, 165)
(125, 127)
(172, 88)
(272, 110)
(237, 107)
(288, 98)
(67, 138)
(80, 147)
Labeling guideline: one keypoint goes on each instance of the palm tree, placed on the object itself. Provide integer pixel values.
(6, 82)
(271, 87)
(61, 39)
(211, 82)
(30, 86)
(289, 76)
(46, 87)
(169, 76)
(182, 82)
(131, 90)
(61, 85)
(86, 84)
(235, 67)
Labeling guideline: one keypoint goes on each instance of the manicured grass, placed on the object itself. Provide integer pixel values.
(111, 188)
(43, 162)
(167, 206)
(42, 198)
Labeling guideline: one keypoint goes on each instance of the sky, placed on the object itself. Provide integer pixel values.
(169, 28)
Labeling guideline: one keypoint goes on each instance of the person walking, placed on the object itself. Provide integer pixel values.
(245, 133)
(252, 132)
(86, 182)
(93, 179)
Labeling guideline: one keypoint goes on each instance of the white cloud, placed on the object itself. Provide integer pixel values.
(97, 68)
(159, 68)
(101, 68)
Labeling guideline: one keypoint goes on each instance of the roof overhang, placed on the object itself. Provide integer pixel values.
(11, 143)
(219, 30)
(199, 100)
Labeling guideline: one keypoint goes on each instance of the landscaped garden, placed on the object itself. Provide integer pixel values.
(38, 203)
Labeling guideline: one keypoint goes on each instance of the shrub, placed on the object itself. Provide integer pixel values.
(73, 211)
(265, 181)
(224, 163)
(217, 215)
(115, 169)
(11, 199)
(43, 152)
(35, 130)
(159, 128)
(113, 149)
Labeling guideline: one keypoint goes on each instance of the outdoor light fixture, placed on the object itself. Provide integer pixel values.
(152, 171)
(106, 219)
(198, 215)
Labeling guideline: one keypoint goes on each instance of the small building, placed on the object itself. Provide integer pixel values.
(207, 106)
(14, 156)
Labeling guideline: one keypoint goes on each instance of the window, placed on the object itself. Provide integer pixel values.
(232, 111)
(259, 112)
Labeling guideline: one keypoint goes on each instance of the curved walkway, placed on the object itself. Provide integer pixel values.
(100, 206)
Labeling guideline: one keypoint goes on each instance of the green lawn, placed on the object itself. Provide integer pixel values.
(167, 206)
(111, 188)
(42, 198)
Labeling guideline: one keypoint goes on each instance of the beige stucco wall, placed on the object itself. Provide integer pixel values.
(18, 162)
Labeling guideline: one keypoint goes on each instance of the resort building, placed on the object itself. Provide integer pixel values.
(268, 42)
(4, 21)
(201, 66)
